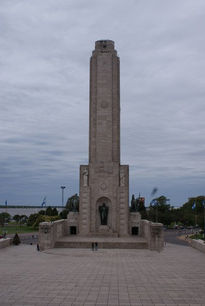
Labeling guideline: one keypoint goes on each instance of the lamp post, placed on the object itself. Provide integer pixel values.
(63, 187)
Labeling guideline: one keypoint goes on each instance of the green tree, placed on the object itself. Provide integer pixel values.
(42, 212)
(55, 212)
(32, 219)
(23, 219)
(160, 211)
(16, 239)
(39, 219)
(44, 218)
(63, 214)
(17, 218)
(4, 218)
(189, 216)
(49, 211)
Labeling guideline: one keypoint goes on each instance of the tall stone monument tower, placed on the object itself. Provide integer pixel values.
(104, 183)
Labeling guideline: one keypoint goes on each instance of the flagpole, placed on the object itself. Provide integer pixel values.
(195, 224)
(194, 208)
(6, 203)
(195, 220)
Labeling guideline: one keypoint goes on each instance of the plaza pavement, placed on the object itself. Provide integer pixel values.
(176, 276)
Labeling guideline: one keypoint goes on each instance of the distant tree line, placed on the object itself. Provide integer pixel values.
(159, 210)
(44, 215)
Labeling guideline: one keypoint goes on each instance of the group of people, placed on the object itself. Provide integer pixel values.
(94, 246)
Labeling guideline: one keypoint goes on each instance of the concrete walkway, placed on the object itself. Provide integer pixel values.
(176, 276)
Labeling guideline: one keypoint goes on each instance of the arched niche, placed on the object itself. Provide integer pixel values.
(100, 202)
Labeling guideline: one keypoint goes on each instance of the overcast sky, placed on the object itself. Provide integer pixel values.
(45, 48)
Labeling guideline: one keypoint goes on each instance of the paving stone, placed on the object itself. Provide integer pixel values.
(114, 277)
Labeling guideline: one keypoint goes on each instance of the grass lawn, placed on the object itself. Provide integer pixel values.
(13, 228)
(197, 236)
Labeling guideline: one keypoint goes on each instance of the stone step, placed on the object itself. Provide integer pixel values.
(101, 244)
(105, 234)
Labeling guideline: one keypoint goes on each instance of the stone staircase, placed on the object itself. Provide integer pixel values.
(103, 243)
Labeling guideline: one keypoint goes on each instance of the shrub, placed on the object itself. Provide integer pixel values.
(42, 218)
(32, 219)
(16, 239)
(4, 218)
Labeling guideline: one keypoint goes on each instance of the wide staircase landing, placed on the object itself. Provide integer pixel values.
(75, 241)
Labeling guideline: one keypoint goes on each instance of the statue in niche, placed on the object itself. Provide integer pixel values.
(103, 209)
(85, 177)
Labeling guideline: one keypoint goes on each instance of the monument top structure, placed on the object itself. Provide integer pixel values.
(105, 44)
(105, 47)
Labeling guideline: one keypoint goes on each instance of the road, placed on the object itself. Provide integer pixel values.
(172, 236)
(27, 238)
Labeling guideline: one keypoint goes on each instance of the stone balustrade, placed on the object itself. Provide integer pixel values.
(153, 233)
(49, 232)
(5, 242)
(197, 244)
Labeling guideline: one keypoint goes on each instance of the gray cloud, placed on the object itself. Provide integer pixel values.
(44, 81)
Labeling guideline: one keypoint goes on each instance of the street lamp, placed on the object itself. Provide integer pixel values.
(63, 187)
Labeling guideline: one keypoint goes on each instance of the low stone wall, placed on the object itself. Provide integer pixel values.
(49, 232)
(153, 233)
(197, 244)
(5, 242)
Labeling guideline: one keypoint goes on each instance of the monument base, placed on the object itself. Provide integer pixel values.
(105, 230)
(63, 234)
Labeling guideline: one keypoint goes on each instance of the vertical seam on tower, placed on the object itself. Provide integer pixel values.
(112, 112)
(96, 102)
(90, 119)
(118, 114)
